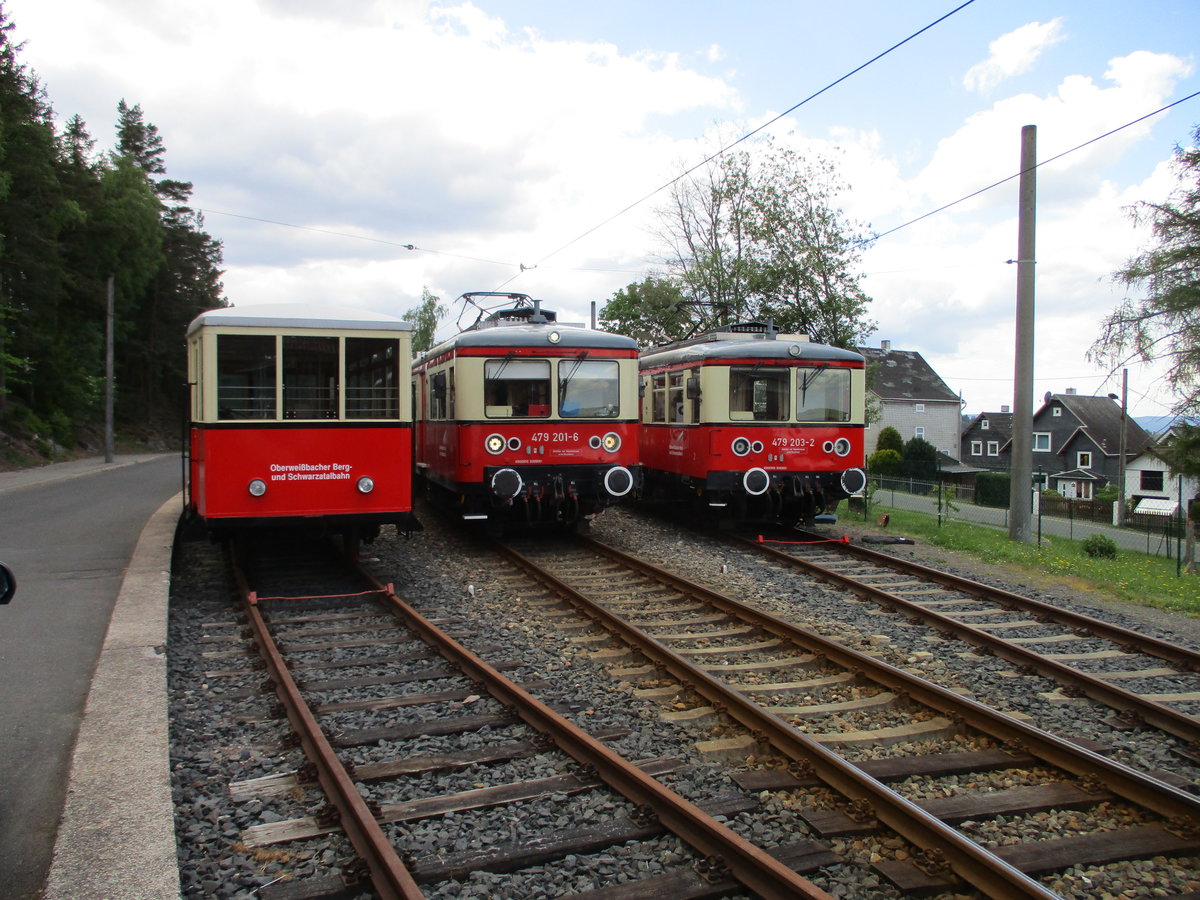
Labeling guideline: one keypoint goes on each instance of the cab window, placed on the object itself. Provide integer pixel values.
(823, 395)
(516, 388)
(759, 394)
(589, 388)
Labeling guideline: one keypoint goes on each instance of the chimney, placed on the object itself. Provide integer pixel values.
(885, 346)
(1005, 408)
(1071, 392)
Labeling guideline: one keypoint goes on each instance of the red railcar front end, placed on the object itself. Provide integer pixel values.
(257, 475)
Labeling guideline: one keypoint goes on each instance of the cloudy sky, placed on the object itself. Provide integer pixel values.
(511, 143)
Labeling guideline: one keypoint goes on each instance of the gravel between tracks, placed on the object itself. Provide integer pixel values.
(436, 571)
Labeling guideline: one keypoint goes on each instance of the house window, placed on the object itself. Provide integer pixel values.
(977, 448)
(993, 448)
(1057, 411)
(919, 431)
(1084, 460)
(1085, 490)
(1152, 480)
(983, 425)
(920, 407)
(1041, 442)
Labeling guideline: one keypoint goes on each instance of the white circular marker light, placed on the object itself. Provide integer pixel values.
(554, 337)
(612, 442)
(366, 484)
(741, 446)
(494, 443)
(257, 487)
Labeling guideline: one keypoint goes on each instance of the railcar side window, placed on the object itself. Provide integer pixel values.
(516, 387)
(589, 388)
(758, 393)
(372, 384)
(675, 407)
(437, 396)
(310, 377)
(658, 399)
(823, 395)
(245, 376)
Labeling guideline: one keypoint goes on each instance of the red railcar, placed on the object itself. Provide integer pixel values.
(521, 420)
(300, 415)
(752, 425)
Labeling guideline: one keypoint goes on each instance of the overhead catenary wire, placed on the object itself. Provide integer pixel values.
(745, 137)
(1044, 162)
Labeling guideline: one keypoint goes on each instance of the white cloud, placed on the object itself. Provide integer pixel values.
(1013, 54)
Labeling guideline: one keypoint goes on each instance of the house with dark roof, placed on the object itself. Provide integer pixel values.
(1077, 443)
(912, 398)
(985, 441)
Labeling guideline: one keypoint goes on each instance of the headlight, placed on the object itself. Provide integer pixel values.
(741, 446)
(841, 447)
(257, 487)
(366, 484)
(494, 443)
(612, 442)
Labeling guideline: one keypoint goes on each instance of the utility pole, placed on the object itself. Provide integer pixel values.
(1020, 497)
(108, 375)
(1121, 471)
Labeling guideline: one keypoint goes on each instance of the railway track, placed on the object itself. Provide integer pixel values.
(338, 654)
(1148, 681)
(816, 703)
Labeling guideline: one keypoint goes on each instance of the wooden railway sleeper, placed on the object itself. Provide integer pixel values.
(1185, 828)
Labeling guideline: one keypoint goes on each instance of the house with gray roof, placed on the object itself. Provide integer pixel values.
(1077, 443)
(912, 398)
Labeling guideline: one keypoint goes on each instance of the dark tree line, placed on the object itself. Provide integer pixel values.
(69, 219)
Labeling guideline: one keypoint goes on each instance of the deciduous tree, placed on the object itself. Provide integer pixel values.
(1159, 320)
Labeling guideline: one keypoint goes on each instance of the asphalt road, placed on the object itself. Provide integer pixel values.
(69, 541)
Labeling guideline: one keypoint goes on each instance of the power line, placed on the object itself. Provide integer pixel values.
(357, 237)
(747, 136)
(1045, 162)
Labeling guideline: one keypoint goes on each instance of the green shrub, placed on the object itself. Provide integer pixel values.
(1097, 546)
(992, 489)
(886, 463)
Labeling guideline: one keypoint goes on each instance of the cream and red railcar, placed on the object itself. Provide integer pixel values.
(300, 415)
(522, 420)
(753, 425)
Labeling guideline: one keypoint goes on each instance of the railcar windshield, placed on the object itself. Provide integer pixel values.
(310, 377)
(372, 379)
(589, 388)
(759, 393)
(516, 388)
(823, 395)
(245, 376)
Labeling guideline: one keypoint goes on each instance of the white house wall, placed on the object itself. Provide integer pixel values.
(940, 420)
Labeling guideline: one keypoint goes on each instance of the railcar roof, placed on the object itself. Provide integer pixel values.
(571, 337)
(298, 315)
(748, 350)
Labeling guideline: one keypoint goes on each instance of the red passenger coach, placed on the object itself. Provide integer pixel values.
(300, 415)
(753, 425)
(522, 420)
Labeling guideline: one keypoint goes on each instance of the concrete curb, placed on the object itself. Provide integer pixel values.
(116, 838)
